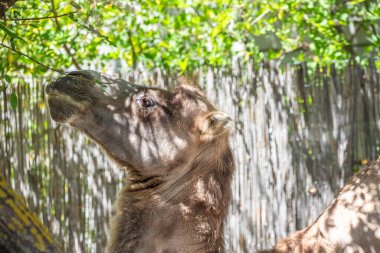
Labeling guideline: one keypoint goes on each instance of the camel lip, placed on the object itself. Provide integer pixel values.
(62, 97)
(57, 94)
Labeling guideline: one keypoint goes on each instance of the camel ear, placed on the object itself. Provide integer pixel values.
(214, 124)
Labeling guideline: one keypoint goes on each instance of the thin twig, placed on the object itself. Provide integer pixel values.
(30, 58)
(134, 56)
(4, 38)
(65, 46)
(40, 18)
(262, 15)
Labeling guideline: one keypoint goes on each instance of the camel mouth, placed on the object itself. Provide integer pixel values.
(68, 96)
(57, 95)
(75, 92)
(74, 88)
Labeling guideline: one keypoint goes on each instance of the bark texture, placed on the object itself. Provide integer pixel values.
(20, 229)
(5, 5)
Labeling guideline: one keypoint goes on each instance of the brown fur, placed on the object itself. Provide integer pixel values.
(350, 224)
(176, 153)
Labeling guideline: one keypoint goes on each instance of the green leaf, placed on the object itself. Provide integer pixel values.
(309, 100)
(7, 78)
(10, 33)
(13, 101)
(163, 32)
(183, 64)
(91, 29)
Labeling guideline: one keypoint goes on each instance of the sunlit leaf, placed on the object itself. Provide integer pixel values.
(7, 78)
(13, 101)
(10, 33)
(158, 34)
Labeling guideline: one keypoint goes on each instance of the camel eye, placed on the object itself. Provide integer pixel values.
(145, 102)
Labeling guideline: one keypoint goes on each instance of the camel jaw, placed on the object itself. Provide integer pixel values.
(63, 107)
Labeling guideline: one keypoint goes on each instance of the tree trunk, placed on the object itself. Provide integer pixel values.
(21, 230)
(5, 5)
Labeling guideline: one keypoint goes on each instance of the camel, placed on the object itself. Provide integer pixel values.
(350, 224)
(174, 146)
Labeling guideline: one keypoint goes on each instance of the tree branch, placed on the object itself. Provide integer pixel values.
(20, 229)
(40, 18)
(65, 46)
(261, 16)
(30, 58)
(134, 55)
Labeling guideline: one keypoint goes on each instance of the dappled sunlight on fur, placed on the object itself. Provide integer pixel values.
(350, 224)
(174, 145)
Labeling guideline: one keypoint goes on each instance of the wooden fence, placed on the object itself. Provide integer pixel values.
(299, 135)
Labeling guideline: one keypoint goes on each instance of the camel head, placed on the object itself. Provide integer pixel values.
(148, 130)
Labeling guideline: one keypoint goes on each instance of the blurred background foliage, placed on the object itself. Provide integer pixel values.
(180, 36)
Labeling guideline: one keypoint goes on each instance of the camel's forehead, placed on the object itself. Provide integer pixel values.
(189, 99)
(186, 97)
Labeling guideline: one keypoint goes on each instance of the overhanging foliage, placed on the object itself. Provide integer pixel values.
(179, 36)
